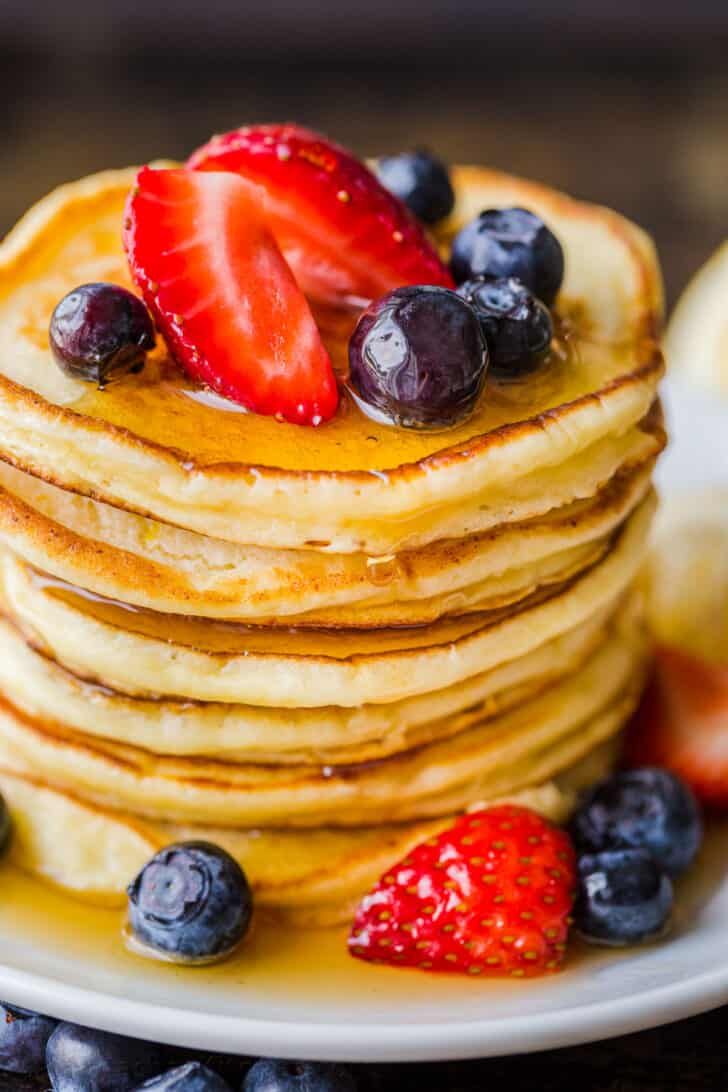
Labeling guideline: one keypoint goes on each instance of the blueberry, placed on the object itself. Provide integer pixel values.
(272, 1075)
(418, 357)
(83, 1060)
(517, 327)
(99, 332)
(641, 809)
(510, 243)
(624, 897)
(192, 1077)
(191, 903)
(23, 1038)
(421, 181)
(5, 825)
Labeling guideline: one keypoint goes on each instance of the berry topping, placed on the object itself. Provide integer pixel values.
(490, 896)
(23, 1039)
(517, 327)
(624, 897)
(421, 181)
(99, 332)
(418, 358)
(641, 809)
(223, 295)
(83, 1060)
(344, 235)
(272, 1075)
(190, 903)
(192, 1077)
(682, 723)
(510, 243)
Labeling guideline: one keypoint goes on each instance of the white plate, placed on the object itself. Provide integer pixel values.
(302, 996)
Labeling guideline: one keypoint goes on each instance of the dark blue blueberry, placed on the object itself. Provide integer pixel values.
(624, 897)
(517, 327)
(641, 809)
(99, 332)
(418, 357)
(510, 243)
(23, 1038)
(83, 1060)
(5, 825)
(273, 1075)
(192, 1077)
(421, 181)
(191, 902)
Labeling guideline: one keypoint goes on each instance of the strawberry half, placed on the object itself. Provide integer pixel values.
(682, 723)
(490, 896)
(223, 296)
(346, 238)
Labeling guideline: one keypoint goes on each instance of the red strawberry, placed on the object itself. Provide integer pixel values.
(344, 235)
(222, 294)
(682, 723)
(490, 896)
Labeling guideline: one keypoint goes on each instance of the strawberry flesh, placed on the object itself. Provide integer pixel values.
(345, 236)
(490, 896)
(223, 296)
(682, 723)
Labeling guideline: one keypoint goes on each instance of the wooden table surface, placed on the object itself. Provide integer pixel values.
(648, 137)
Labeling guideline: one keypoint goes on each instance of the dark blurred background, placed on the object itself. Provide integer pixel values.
(621, 101)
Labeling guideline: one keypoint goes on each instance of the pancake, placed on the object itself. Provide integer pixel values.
(159, 447)
(314, 646)
(142, 562)
(143, 654)
(38, 685)
(309, 878)
(503, 753)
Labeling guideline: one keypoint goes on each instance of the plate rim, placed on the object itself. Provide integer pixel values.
(367, 1042)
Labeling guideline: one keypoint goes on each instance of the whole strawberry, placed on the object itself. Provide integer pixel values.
(491, 895)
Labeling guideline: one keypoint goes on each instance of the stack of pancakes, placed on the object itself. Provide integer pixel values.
(313, 646)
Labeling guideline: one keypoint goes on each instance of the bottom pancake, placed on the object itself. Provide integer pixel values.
(309, 878)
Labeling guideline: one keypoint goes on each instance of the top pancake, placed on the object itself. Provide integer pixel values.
(156, 445)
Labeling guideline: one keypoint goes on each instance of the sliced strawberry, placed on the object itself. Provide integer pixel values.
(223, 296)
(682, 723)
(490, 896)
(345, 237)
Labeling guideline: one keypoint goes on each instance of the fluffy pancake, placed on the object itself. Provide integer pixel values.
(38, 685)
(308, 877)
(139, 561)
(151, 444)
(138, 653)
(523, 746)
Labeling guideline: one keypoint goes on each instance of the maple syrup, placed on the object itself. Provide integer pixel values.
(215, 636)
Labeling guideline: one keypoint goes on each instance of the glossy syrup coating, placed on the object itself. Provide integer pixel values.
(421, 180)
(190, 903)
(418, 358)
(510, 243)
(99, 332)
(517, 327)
